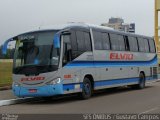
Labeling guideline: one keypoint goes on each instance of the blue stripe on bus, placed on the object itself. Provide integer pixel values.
(116, 82)
(135, 80)
(67, 87)
(111, 63)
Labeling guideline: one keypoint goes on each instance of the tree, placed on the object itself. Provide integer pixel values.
(1, 56)
(9, 55)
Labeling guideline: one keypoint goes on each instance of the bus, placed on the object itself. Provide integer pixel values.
(80, 58)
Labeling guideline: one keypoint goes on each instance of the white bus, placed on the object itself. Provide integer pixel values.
(80, 58)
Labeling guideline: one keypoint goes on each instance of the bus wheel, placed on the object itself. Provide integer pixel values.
(141, 83)
(86, 89)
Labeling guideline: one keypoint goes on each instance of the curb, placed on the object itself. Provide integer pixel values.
(15, 101)
(5, 88)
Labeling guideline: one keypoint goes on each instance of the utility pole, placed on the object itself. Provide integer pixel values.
(157, 8)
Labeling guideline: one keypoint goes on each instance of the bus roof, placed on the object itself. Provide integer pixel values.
(81, 25)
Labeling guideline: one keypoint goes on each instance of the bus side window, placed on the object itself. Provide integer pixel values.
(101, 40)
(67, 51)
(97, 40)
(105, 41)
(83, 41)
(73, 40)
(133, 44)
(80, 41)
(88, 46)
(152, 46)
(117, 42)
(141, 45)
(121, 43)
(146, 45)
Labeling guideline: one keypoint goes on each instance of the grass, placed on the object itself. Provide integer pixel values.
(5, 73)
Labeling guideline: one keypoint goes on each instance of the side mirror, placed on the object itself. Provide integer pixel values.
(56, 40)
(4, 47)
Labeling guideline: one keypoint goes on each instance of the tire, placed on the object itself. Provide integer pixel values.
(86, 89)
(141, 84)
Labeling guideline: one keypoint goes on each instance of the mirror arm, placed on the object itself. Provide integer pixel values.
(4, 46)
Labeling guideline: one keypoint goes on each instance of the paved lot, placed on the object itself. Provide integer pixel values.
(6, 94)
(122, 100)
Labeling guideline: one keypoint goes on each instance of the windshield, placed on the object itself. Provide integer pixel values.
(35, 53)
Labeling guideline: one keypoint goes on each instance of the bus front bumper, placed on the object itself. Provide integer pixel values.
(40, 91)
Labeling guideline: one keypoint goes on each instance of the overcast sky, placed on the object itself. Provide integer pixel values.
(18, 16)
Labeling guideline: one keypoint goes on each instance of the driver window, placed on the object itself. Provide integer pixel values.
(67, 52)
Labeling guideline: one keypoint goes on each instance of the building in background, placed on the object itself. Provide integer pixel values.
(118, 24)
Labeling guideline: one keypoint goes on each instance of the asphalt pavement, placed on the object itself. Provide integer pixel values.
(119, 100)
(6, 94)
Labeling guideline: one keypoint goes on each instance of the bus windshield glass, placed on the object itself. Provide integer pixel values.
(35, 53)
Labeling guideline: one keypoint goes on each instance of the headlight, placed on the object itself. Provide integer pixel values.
(55, 81)
(16, 84)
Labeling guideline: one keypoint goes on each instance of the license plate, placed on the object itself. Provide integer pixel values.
(32, 90)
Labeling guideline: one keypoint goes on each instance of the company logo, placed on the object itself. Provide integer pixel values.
(32, 79)
(121, 56)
